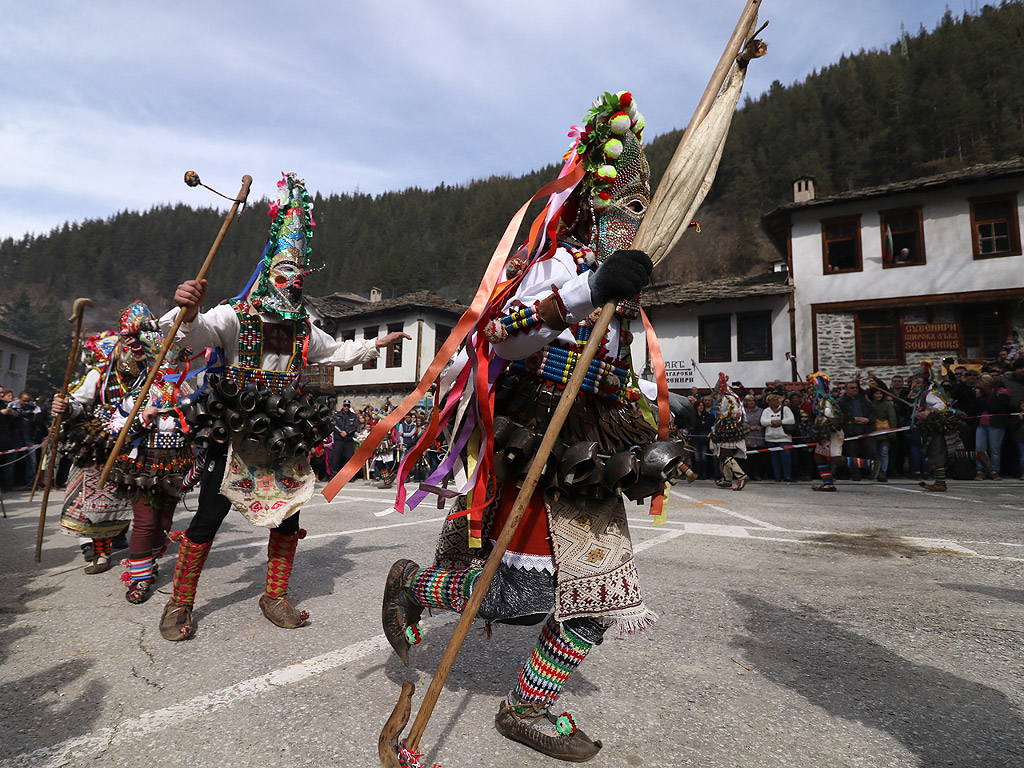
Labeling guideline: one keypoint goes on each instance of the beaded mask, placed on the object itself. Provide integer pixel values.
(140, 338)
(617, 188)
(286, 257)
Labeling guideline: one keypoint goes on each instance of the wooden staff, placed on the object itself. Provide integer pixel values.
(77, 311)
(392, 729)
(243, 193)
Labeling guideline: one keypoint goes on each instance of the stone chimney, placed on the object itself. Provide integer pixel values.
(803, 189)
(376, 294)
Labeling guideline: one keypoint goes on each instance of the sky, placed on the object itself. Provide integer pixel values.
(106, 104)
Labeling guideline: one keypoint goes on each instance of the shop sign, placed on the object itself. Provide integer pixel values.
(921, 337)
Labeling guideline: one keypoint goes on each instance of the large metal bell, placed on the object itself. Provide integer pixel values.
(521, 445)
(503, 429)
(662, 460)
(621, 470)
(219, 432)
(579, 465)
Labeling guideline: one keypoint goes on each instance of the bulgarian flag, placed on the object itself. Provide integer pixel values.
(887, 247)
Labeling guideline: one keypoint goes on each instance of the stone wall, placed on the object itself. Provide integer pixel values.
(837, 344)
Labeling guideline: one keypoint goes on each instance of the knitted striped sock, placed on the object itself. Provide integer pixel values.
(825, 470)
(137, 569)
(939, 474)
(953, 443)
(101, 547)
(444, 588)
(559, 651)
(861, 463)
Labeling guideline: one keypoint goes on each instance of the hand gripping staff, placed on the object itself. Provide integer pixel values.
(192, 179)
(77, 311)
(666, 220)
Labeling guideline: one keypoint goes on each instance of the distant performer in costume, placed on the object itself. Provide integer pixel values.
(828, 426)
(570, 563)
(153, 463)
(147, 475)
(254, 418)
(89, 511)
(728, 435)
(939, 424)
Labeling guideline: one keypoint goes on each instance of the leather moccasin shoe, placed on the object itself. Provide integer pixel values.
(535, 726)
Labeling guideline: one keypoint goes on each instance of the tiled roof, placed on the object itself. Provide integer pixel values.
(964, 176)
(10, 338)
(776, 222)
(331, 308)
(763, 284)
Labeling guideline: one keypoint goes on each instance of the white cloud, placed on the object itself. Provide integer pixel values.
(107, 104)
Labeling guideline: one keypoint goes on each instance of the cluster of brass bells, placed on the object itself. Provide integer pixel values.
(285, 424)
(168, 484)
(581, 470)
(85, 441)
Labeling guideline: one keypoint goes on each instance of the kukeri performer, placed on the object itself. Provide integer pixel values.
(828, 427)
(256, 420)
(572, 550)
(118, 364)
(939, 424)
(727, 440)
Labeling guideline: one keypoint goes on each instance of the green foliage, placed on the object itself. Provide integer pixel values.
(955, 99)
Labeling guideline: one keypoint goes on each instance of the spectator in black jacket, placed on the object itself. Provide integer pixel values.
(8, 439)
(858, 419)
(27, 413)
(346, 425)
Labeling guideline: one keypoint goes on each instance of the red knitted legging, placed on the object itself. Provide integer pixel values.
(280, 557)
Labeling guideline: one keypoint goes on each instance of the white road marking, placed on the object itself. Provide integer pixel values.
(731, 513)
(666, 536)
(149, 723)
(956, 498)
(753, 534)
(128, 731)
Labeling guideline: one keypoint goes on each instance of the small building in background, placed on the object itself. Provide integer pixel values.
(886, 276)
(736, 325)
(427, 317)
(14, 354)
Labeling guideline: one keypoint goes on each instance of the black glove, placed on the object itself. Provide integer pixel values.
(622, 276)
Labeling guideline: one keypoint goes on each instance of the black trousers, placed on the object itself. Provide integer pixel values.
(214, 506)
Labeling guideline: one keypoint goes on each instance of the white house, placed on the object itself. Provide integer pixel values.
(886, 276)
(736, 325)
(14, 352)
(427, 317)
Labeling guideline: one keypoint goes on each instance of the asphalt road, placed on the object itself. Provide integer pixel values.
(878, 626)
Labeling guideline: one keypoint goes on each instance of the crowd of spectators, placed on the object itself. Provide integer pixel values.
(352, 426)
(23, 422)
(990, 397)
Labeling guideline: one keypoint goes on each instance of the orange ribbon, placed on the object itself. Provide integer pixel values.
(658, 364)
(462, 329)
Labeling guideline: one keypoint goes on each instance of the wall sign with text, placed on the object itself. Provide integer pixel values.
(679, 372)
(921, 337)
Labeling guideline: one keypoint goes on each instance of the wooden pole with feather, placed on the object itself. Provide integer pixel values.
(77, 312)
(653, 235)
(192, 179)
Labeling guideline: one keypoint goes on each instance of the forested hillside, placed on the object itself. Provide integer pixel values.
(935, 101)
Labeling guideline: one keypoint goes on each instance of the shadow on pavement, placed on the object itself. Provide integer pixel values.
(1001, 593)
(944, 719)
(33, 705)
